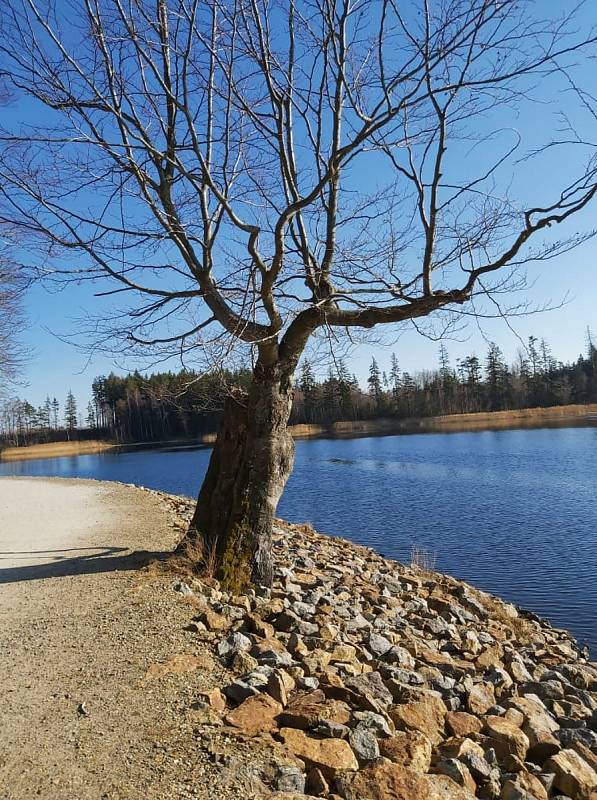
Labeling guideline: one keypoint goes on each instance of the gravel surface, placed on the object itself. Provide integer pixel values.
(93, 702)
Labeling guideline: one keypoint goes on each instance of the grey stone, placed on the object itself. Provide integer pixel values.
(290, 779)
(364, 744)
(239, 691)
(235, 643)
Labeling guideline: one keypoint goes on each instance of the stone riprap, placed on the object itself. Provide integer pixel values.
(378, 680)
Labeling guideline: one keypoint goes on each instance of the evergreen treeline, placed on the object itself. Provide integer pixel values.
(170, 405)
(471, 384)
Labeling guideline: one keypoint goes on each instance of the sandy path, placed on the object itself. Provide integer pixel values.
(79, 623)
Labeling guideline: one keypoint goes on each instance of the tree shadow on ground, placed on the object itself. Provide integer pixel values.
(100, 559)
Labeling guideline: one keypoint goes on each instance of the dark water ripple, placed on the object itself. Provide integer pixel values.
(513, 512)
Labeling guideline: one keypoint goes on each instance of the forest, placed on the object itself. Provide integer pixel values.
(180, 405)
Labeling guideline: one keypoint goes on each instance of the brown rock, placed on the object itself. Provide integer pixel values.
(574, 777)
(316, 783)
(587, 755)
(481, 698)
(306, 710)
(259, 626)
(214, 699)
(276, 688)
(513, 789)
(457, 771)
(387, 781)
(411, 749)
(343, 652)
(214, 621)
(539, 726)
(328, 755)
(506, 738)
(426, 716)
(255, 715)
(460, 748)
(459, 723)
(315, 661)
(490, 656)
(243, 663)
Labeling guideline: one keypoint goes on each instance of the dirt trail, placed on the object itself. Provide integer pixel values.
(80, 625)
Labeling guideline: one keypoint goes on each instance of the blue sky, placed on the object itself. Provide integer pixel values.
(57, 366)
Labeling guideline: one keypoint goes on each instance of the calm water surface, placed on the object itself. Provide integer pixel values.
(513, 512)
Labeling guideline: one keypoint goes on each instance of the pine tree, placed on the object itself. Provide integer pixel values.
(90, 415)
(70, 412)
(55, 413)
(308, 386)
(496, 374)
(375, 388)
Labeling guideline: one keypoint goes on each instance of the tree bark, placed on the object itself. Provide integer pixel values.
(249, 466)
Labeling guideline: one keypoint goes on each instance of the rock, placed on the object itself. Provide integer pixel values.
(233, 644)
(331, 730)
(378, 724)
(242, 663)
(315, 661)
(411, 749)
(586, 754)
(307, 710)
(255, 715)
(388, 781)
(276, 688)
(239, 691)
(506, 738)
(573, 776)
(538, 725)
(481, 698)
(371, 684)
(317, 784)
(183, 588)
(457, 771)
(204, 715)
(214, 699)
(522, 787)
(364, 744)
(329, 755)
(343, 652)
(290, 779)
(461, 724)
(214, 621)
(426, 716)
(259, 627)
(378, 644)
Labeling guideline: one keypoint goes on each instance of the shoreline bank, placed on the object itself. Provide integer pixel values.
(355, 677)
(526, 418)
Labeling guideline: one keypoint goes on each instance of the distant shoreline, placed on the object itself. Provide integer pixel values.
(56, 450)
(450, 423)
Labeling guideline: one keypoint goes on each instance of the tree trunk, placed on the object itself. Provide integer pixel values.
(249, 466)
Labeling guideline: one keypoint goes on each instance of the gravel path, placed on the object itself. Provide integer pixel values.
(80, 626)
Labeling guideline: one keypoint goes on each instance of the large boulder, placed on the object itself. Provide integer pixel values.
(387, 781)
(308, 709)
(411, 749)
(328, 755)
(426, 716)
(255, 715)
(506, 738)
(574, 777)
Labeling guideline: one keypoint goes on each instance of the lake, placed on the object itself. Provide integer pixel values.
(513, 512)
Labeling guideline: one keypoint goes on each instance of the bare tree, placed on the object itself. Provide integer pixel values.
(12, 351)
(248, 174)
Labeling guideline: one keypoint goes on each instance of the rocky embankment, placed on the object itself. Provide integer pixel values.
(370, 680)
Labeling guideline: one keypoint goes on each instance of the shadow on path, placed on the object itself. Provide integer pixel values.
(102, 559)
